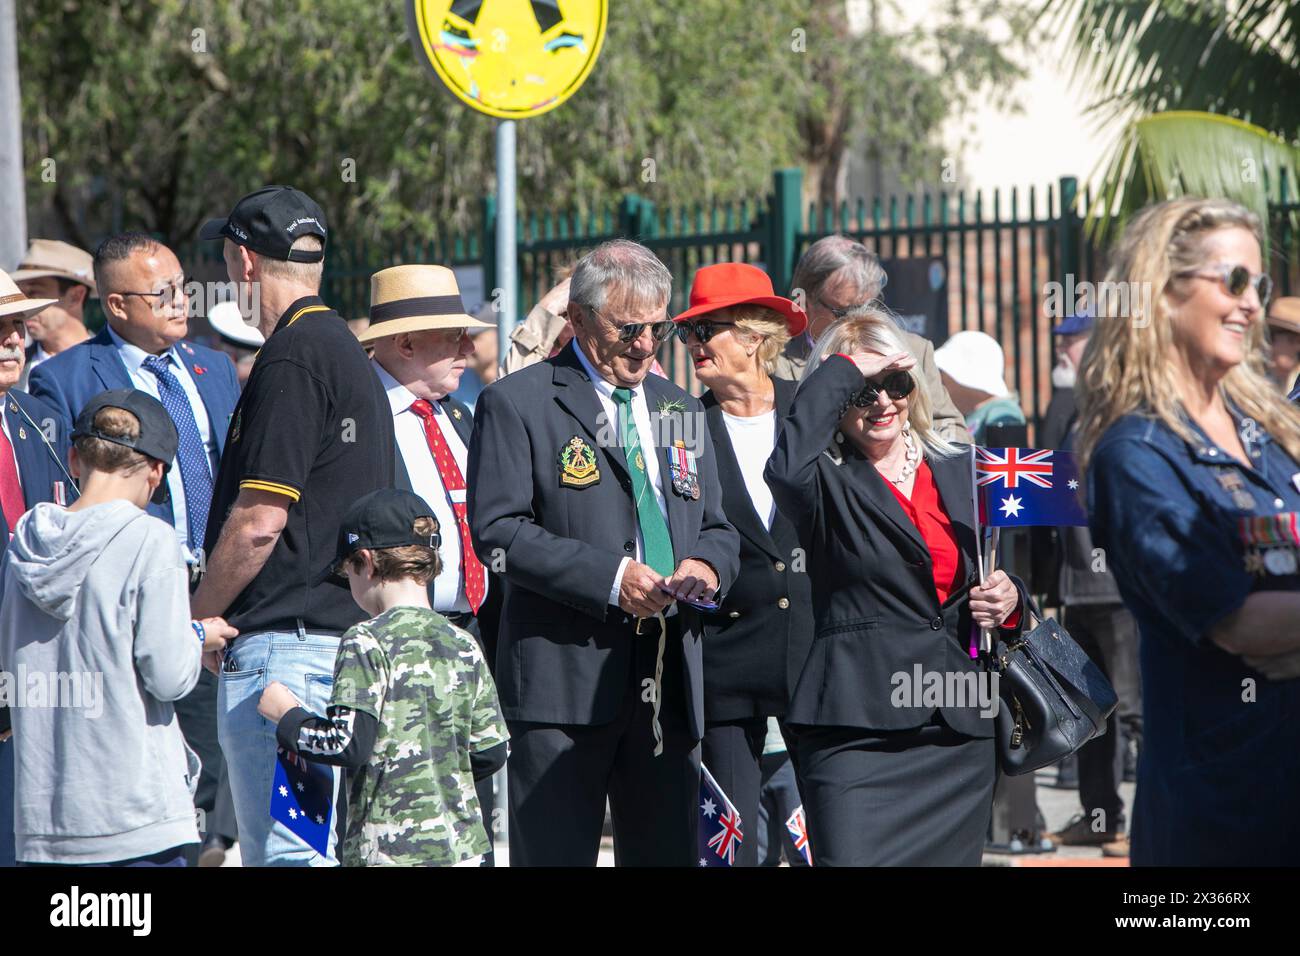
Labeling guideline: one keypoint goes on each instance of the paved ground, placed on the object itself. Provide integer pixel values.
(1058, 807)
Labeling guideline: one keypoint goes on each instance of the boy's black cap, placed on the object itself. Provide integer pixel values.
(382, 519)
(158, 438)
(269, 220)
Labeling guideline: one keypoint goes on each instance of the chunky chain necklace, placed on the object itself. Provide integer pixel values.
(912, 456)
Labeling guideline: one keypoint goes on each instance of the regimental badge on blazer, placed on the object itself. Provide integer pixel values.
(1272, 543)
(685, 470)
(578, 464)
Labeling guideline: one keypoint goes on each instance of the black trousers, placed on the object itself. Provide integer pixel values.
(733, 752)
(895, 798)
(560, 776)
(1108, 634)
(778, 799)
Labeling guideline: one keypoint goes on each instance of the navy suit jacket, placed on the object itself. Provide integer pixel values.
(73, 377)
(41, 463)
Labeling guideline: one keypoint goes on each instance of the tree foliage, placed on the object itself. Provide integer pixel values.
(159, 113)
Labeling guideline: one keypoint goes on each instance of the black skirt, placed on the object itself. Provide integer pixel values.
(919, 797)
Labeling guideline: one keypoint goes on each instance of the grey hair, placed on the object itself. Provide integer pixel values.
(871, 328)
(625, 265)
(308, 274)
(829, 255)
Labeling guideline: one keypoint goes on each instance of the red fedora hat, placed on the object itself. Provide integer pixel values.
(735, 283)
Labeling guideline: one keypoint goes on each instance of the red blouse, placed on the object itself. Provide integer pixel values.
(926, 511)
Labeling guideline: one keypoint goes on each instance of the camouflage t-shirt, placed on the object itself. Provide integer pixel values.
(427, 685)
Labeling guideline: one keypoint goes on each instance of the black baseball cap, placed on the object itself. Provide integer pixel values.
(158, 439)
(269, 220)
(382, 519)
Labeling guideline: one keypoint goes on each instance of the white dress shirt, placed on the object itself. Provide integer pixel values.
(133, 357)
(753, 438)
(449, 586)
(649, 451)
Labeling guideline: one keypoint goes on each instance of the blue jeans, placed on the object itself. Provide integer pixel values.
(304, 663)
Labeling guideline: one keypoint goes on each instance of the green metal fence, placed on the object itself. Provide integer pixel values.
(999, 250)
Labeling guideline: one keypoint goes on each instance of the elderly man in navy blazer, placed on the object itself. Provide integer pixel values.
(143, 346)
(33, 452)
(605, 530)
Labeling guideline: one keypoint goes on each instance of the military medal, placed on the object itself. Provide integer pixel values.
(684, 470)
(578, 464)
(1271, 542)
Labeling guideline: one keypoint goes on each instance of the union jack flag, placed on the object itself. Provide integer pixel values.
(720, 825)
(798, 828)
(1012, 465)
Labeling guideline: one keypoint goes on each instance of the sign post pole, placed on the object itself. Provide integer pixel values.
(507, 262)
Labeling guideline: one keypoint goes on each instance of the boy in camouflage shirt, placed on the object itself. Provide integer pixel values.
(414, 712)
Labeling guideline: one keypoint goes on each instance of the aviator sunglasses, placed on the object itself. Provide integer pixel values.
(896, 385)
(631, 331)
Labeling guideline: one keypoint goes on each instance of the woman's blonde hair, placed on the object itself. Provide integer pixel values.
(870, 328)
(1126, 367)
(757, 323)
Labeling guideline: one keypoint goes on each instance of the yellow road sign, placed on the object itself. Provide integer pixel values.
(509, 58)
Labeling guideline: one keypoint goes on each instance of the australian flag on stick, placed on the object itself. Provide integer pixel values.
(719, 831)
(302, 798)
(1024, 487)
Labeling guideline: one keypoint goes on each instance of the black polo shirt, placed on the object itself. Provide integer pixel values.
(314, 425)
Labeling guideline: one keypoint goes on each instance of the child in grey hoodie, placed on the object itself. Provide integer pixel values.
(95, 643)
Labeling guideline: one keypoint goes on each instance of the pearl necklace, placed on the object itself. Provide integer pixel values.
(913, 458)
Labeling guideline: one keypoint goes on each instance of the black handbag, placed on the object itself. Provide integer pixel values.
(1052, 698)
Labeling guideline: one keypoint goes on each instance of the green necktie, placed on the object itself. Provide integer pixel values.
(654, 529)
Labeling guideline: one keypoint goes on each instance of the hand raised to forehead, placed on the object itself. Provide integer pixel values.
(871, 363)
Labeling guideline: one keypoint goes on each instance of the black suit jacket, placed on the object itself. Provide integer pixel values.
(874, 598)
(488, 617)
(755, 645)
(565, 654)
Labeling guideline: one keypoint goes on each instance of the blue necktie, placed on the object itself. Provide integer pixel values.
(191, 456)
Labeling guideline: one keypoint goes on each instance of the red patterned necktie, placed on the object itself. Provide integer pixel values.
(12, 502)
(454, 483)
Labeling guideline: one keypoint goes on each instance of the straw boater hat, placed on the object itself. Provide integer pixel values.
(1284, 313)
(49, 257)
(415, 298)
(14, 302)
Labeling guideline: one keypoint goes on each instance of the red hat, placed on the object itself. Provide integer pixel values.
(735, 283)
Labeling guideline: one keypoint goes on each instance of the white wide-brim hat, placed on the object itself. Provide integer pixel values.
(228, 322)
(415, 298)
(975, 360)
(13, 301)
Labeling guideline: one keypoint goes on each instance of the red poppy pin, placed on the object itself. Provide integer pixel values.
(199, 370)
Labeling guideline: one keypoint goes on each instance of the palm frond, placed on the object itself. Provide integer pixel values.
(1191, 153)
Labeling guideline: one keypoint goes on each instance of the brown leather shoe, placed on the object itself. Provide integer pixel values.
(1117, 847)
(1079, 832)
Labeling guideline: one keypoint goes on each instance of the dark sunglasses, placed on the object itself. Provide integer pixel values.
(896, 385)
(631, 331)
(1236, 279)
(702, 328)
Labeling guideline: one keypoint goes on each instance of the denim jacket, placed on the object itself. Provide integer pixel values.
(1190, 533)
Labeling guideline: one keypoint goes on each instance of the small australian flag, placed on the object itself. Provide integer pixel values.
(720, 835)
(1025, 487)
(302, 798)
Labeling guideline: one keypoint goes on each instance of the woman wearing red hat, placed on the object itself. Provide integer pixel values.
(756, 642)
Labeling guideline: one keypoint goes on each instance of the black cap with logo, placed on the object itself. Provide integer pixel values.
(269, 220)
(158, 438)
(382, 519)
